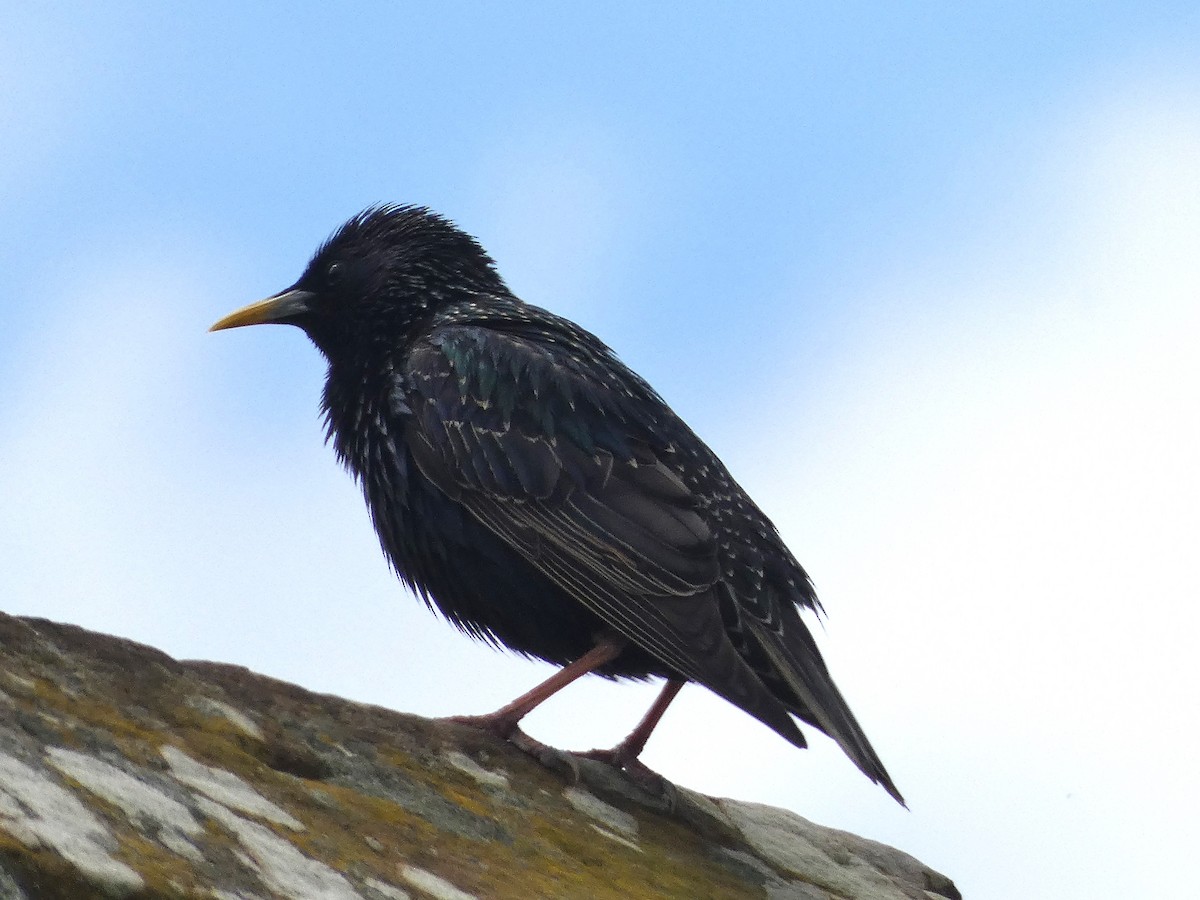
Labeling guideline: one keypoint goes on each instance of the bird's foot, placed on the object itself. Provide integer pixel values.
(507, 729)
(621, 758)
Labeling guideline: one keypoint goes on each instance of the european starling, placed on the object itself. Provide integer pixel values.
(541, 495)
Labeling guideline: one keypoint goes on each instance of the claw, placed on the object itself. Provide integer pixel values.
(637, 772)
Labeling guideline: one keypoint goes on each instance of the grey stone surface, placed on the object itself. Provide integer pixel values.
(124, 772)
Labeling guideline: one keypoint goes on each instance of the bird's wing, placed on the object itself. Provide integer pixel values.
(548, 455)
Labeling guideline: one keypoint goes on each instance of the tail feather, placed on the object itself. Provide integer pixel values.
(721, 669)
(797, 661)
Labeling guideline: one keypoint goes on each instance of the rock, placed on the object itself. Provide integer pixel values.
(125, 773)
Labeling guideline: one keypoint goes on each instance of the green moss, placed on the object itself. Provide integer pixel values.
(546, 848)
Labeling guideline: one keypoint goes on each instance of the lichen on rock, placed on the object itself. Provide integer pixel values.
(125, 773)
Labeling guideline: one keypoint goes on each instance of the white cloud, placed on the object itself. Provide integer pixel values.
(1000, 509)
(82, 478)
(1006, 515)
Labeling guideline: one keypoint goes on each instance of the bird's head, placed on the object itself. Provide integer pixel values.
(377, 279)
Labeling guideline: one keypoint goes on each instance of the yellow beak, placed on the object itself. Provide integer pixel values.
(284, 308)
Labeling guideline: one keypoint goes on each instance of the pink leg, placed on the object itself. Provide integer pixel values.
(504, 721)
(625, 754)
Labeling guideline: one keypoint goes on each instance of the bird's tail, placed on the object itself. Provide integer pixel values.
(798, 662)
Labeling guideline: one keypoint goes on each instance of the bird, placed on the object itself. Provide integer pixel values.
(542, 496)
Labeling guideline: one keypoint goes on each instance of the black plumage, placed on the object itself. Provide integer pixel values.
(540, 494)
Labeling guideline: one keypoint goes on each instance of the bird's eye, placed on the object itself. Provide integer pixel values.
(334, 273)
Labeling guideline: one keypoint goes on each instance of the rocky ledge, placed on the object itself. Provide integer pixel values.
(125, 773)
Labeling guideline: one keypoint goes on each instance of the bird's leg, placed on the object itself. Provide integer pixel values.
(504, 721)
(625, 754)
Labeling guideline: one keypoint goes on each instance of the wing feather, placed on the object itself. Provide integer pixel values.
(564, 475)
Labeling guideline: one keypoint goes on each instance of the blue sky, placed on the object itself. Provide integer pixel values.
(925, 276)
